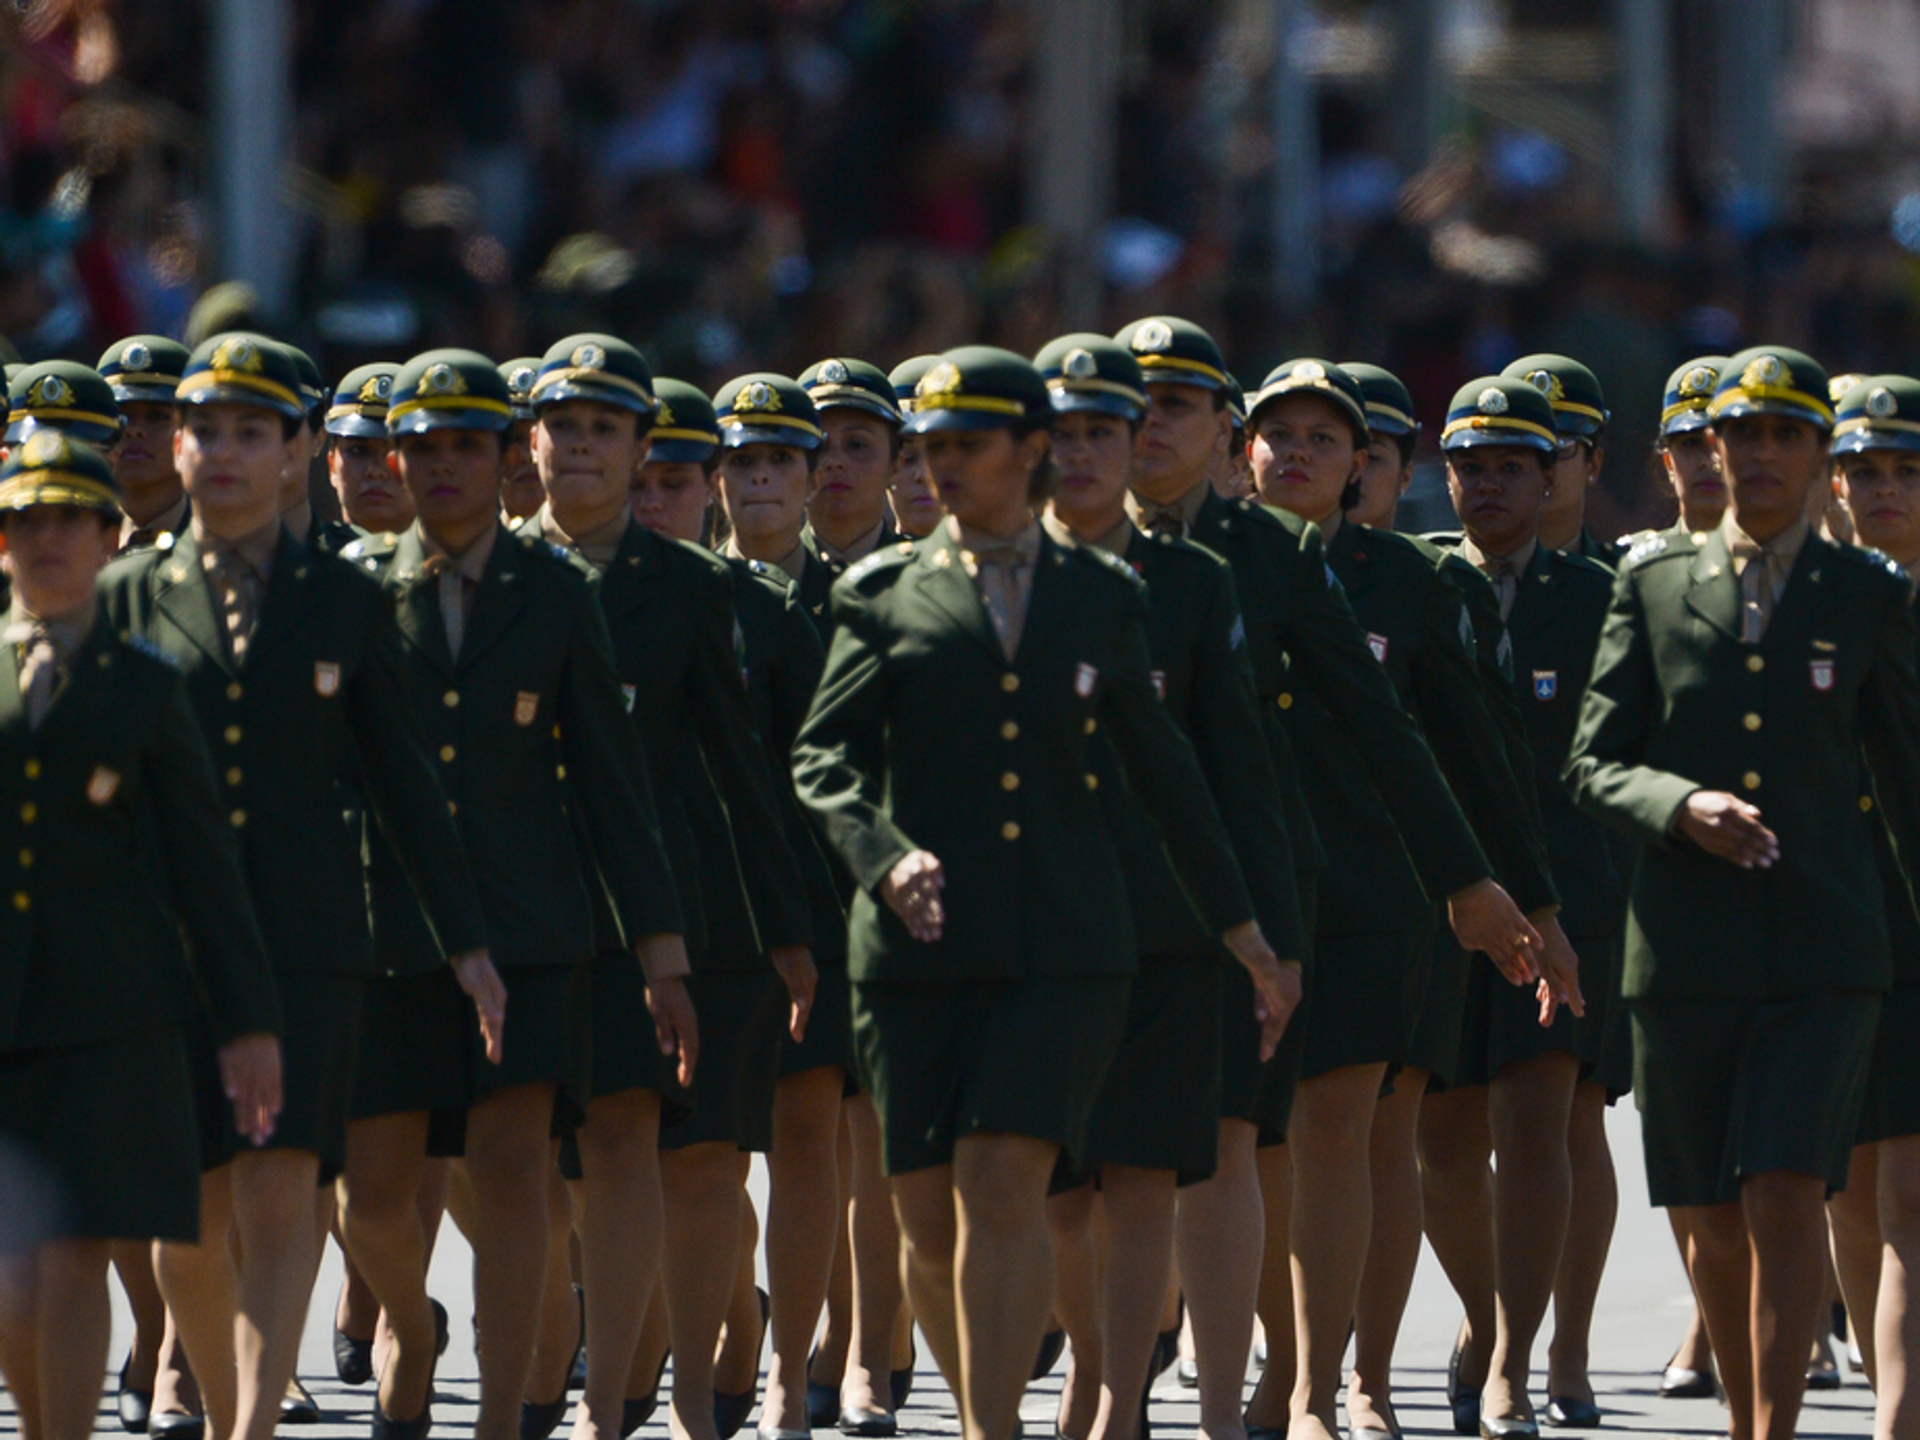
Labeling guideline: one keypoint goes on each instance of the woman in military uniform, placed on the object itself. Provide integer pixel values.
(1148, 1136)
(1876, 1224)
(946, 754)
(521, 494)
(143, 371)
(1739, 685)
(916, 509)
(97, 1110)
(1686, 448)
(1310, 441)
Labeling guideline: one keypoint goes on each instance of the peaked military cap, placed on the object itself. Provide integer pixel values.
(241, 368)
(1389, 402)
(62, 395)
(1091, 372)
(1579, 408)
(684, 428)
(1880, 412)
(449, 390)
(52, 468)
(1772, 380)
(1315, 377)
(766, 409)
(314, 394)
(14, 367)
(1839, 385)
(595, 367)
(1236, 403)
(851, 384)
(1172, 351)
(904, 376)
(1500, 410)
(520, 375)
(979, 387)
(361, 401)
(1689, 392)
(144, 368)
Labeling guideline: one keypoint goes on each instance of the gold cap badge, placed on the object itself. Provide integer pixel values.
(1080, 365)
(1881, 405)
(1153, 337)
(588, 357)
(1492, 401)
(49, 392)
(136, 357)
(239, 354)
(443, 379)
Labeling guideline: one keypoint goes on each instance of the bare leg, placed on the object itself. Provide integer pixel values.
(1220, 1228)
(1457, 1190)
(923, 1202)
(1078, 1305)
(1895, 1318)
(1139, 1207)
(1784, 1222)
(1853, 1217)
(199, 1286)
(1003, 1273)
(1720, 1261)
(380, 1224)
(650, 1354)
(278, 1245)
(75, 1322)
(699, 1263)
(133, 1263)
(558, 1329)
(1528, 1104)
(743, 1332)
(1696, 1351)
(1583, 1260)
(509, 1158)
(20, 1340)
(175, 1392)
(620, 1228)
(1273, 1394)
(876, 1343)
(1393, 1253)
(803, 1225)
(1330, 1138)
(827, 1363)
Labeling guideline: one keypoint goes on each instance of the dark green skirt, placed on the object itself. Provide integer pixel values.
(1892, 1104)
(99, 1142)
(1440, 1022)
(741, 1018)
(1017, 1057)
(1359, 1013)
(1159, 1108)
(1733, 1088)
(319, 1053)
(829, 1037)
(1513, 1029)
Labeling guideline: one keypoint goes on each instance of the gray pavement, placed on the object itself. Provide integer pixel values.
(1643, 1311)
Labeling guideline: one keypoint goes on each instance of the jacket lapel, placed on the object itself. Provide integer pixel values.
(498, 600)
(1537, 599)
(625, 585)
(943, 579)
(1347, 554)
(417, 601)
(1046, 610)
(183, 593)
(13, 709)
(1806, 602)
(1713, 591)
(287, 603)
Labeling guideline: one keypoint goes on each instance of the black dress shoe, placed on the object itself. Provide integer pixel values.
(442, 1331)
(1823, 1377)
(730, 1409)
(1677, 1383)
(176, 1425)
(352, 1359)
(900, 1382)
(823, 1401)
(874, 1424)
(539, 1419)
(1266, 1432)
(135, 1406)
(635, 1413)
(1571, 1414)
(299, 1408)
(414, 1429)
(1508, 1429)
(1052, 1345)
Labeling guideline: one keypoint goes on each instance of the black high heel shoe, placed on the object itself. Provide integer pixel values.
(540, 1418)
(135, 1406)
(731, 1408)
(1464, 1400)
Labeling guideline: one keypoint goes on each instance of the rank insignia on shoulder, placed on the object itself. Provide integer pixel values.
(1645, 550)
(905, 547)
(165, 540)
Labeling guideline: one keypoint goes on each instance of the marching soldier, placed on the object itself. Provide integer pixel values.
(1580, 418)
(291, 663)
(916, 509)
(1686, 447)
(372, 498)
(122, 848)
(66, 396)
(1739, 683)
(521, 494)
(143, 372)
(847, 516)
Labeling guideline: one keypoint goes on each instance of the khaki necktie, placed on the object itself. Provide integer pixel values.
(1164, 520)
(1000, 571)
(1756, 589)
(1506, 582)
(238, 586)
(454, 591)
(40, 669)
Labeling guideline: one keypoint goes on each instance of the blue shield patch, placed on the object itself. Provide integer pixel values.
(1546, 684)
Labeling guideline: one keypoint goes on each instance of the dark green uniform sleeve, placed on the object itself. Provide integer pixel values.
(610, 784)
(1450, 702)
(738, 766)
(840, 754)
(1330, 647)
(405, 795)
(1604, 769)
(1224, 727)
(204, 880)
(1890, 736)
(1159, 766)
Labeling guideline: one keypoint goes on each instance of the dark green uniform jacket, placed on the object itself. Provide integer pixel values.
(314, 717)
(1375, 792)
(115, 844)
(1679, 702)
(526, 724)
(817, 576)
(669, 613)
(1418, 629)
(1196, 642)
(923, 736)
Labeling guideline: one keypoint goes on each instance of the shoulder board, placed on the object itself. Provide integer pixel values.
(1648, 549)
(759, 567)
(147, 648)
(1109, 562)
(165, 540)
(889, 556)
(1872, 559)
(1583, 564)
(1445, 539)
(369, 546)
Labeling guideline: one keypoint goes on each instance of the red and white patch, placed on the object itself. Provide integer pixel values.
(1085, 677)
(1378, 645)
(1821, 673)
(526, 705)
(326, 679)
(102, 785)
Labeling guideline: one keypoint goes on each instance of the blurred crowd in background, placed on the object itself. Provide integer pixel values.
(753, 184)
